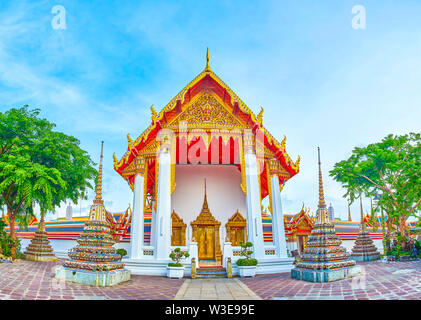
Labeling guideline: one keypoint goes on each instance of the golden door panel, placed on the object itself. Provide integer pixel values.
(206, 242)
(176, 237)
(236, 235)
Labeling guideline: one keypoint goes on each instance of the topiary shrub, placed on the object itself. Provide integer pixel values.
(245, 252)
(246, 262)
(177, 255)
(122, 252)
(175, 264)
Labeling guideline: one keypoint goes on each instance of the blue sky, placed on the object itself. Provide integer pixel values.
(321, 82)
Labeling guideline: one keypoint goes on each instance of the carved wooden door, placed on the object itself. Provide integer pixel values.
(206, 242)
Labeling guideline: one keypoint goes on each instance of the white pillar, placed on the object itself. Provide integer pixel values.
(137, 224)
(278, 228)
(227, 253)
(193, 252)
(254, 212)
(163, 207)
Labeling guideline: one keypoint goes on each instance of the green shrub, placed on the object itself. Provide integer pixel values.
(246, 253)
(246, 262)
(174, 264)
(401, 239)
(6, 242)
(177, 255)
(122, 252)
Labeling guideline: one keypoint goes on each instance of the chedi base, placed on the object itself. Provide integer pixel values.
(93, 278)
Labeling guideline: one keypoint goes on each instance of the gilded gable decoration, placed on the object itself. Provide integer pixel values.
(236, 229)
(178, 237)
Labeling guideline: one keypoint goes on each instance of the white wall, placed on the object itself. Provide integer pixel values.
(61, 247)
(223, 192)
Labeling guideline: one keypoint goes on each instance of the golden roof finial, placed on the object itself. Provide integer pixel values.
(129, 141)
(207, 69)
(283, 142)
(260, 116)
(98, 195)
(154, 113)
(297, 163)
(115, 159)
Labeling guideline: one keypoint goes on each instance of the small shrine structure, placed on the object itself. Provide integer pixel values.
(298, 229)
(94, 260)
(324, 260)
(364, 248)
(40, 249)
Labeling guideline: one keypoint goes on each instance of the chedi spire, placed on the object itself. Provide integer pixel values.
(364, 248)
(94, 261)
(323, 259)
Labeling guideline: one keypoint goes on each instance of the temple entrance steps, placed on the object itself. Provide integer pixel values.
(211, 272)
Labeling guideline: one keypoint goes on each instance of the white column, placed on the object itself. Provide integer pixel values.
(137, 224)
(163, 207)
(278, 228)
(227, 253)
(193, 251)
(254, 212)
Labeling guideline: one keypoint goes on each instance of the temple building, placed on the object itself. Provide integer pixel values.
(205, 175)
(205, 132)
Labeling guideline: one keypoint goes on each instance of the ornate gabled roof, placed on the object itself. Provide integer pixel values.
(206, 81)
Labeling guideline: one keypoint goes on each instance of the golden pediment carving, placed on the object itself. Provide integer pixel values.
(207, 111)
(236, 220)
(177, 221)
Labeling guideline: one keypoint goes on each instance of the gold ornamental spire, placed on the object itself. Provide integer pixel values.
(207, 69)
(205, 201)
(322, 202)
(321, 215)
(98, 195)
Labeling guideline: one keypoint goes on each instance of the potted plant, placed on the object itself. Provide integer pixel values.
(122, 252)
(246, 266)
(176, 269)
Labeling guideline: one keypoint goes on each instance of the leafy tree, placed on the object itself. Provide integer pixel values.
(392, 168)
(38, 165)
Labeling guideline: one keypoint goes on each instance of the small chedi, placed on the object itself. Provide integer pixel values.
(40, 249)
(364, 248)
(324, 260)
(94, 260)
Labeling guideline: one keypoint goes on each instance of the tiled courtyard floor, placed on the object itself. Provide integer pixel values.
(215, 289)
(29, 280)
(35, 280)
(380, 281)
